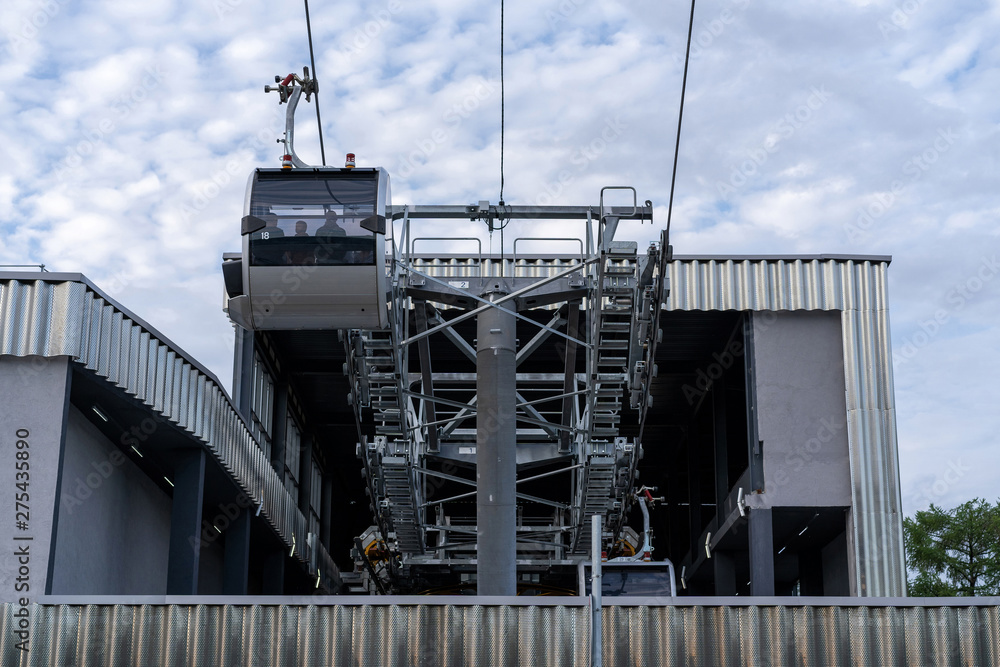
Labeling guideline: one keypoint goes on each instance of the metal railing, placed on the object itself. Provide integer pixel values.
(40, 267)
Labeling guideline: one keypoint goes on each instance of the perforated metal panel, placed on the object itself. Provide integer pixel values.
(503, 635)
(759, 636)
(274, 636)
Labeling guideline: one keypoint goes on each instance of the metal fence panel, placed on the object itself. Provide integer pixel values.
(452, 635)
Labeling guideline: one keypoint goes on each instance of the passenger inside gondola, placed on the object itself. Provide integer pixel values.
(330, 226)
(290, 206)
(270, 230)
(301, 254)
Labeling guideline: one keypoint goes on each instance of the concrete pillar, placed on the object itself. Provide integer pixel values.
(185, 523)
(496, 463)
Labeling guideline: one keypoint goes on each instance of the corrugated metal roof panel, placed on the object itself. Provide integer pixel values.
(53, 316)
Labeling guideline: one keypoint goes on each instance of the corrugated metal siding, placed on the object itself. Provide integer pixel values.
(754, 636)
(860, 290)
(52, 318)
(857, 287)
(276, 636)
(439, 634)
(780, 284)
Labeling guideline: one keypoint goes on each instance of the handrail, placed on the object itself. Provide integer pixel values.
(543, 238)
(635, 198)
(479, 244)
(607, 225)
(40, 267)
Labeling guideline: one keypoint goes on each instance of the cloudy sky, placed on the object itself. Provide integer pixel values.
(859, 126)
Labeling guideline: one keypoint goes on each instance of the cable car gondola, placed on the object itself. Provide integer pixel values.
(313, 250)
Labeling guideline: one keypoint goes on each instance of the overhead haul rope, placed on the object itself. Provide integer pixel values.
(680, 118)
(312, 61)
(502, 105)
(500, 207)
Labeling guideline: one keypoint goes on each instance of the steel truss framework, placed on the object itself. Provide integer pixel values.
(597, 310)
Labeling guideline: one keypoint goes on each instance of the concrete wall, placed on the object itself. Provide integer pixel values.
(34, 394)
(114, 522)
(801, 409)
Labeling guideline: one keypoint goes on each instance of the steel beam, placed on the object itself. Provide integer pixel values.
(495, 304)
(539, 338)
(569, 383)
(473, 212)
(427, 378)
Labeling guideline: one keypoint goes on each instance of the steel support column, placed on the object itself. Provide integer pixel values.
(236, 566)
(496, 463)
(305, 476)
(327, 512)
(185, 523)
(761, 552)
(279, 425)
(721, 447)
(427, 382)
(569, 384)
(243, 371)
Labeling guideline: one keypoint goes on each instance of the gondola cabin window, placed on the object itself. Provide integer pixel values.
(313, 219)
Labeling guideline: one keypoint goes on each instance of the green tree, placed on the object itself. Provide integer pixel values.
(954, 552)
